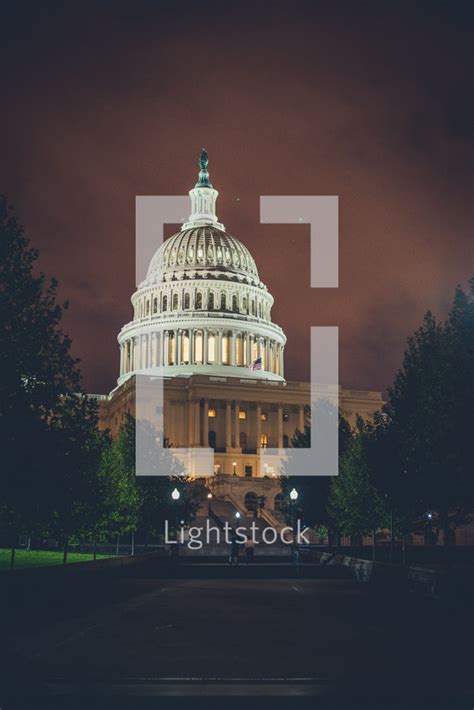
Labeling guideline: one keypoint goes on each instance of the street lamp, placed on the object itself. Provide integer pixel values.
(293, 498)
(237, 515)
(175, 494)
(429, 528)
(234, 464)
(209, 497)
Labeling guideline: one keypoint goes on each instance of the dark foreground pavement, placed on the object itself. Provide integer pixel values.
(246, 643)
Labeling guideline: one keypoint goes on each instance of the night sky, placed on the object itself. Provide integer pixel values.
(368, 101)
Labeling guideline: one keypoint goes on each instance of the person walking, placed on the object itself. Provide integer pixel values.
(249, 550)
(234, 550)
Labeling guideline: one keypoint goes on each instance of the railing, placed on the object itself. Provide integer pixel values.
(270, 519)
(172, 316)
(230, 499)
(215, 518)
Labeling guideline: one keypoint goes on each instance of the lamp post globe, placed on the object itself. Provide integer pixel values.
(175, 494)
(293, 499)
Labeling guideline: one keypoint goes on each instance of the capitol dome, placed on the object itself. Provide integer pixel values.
(202, 307)
(203, 251)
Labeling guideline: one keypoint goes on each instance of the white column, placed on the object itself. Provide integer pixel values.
(301, 418)
(182, 424)
(219, 349)
(166, 346)
(138, 353)
(237, 426)
(258, 425)
(191, 347)
(175, 340)
(189, 405)
(232, 346)
(121, 360)
(282, 370)
(205, 345)
(134, 353)
(197, 422)
(205, 421)
(154, 350)
(280, 426)
(249, 349)
(178, 342)
(228, 436)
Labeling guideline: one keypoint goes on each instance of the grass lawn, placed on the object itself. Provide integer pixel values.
(39, 558)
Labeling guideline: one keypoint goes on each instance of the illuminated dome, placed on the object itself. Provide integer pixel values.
(203, 252)
(202, 307)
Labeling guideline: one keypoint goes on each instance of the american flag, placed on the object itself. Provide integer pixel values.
(257, 364)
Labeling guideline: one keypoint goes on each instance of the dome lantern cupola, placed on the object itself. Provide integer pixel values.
(203, 198)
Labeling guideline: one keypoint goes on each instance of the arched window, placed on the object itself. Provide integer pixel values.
(263, 441)
(210, 302)
(251, 501)
(175, 301)
(279, 501)
(165, 303)
(212, 439)
(244, 304)
(223, 303)
(285, 441)
(235, 306)
(148, 308)
(199, 300)
(187, 301)
(155, 305)
(243, 440)
(254, 309)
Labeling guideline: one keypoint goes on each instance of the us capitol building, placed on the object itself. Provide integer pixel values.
(204, 318)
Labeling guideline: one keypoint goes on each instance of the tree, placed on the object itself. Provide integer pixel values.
(354, 503)
(429, 418)
(145, 502)
(44, 418)
(313, 491)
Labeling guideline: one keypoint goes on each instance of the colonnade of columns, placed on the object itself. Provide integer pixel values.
(200, 347)
(190, 427)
